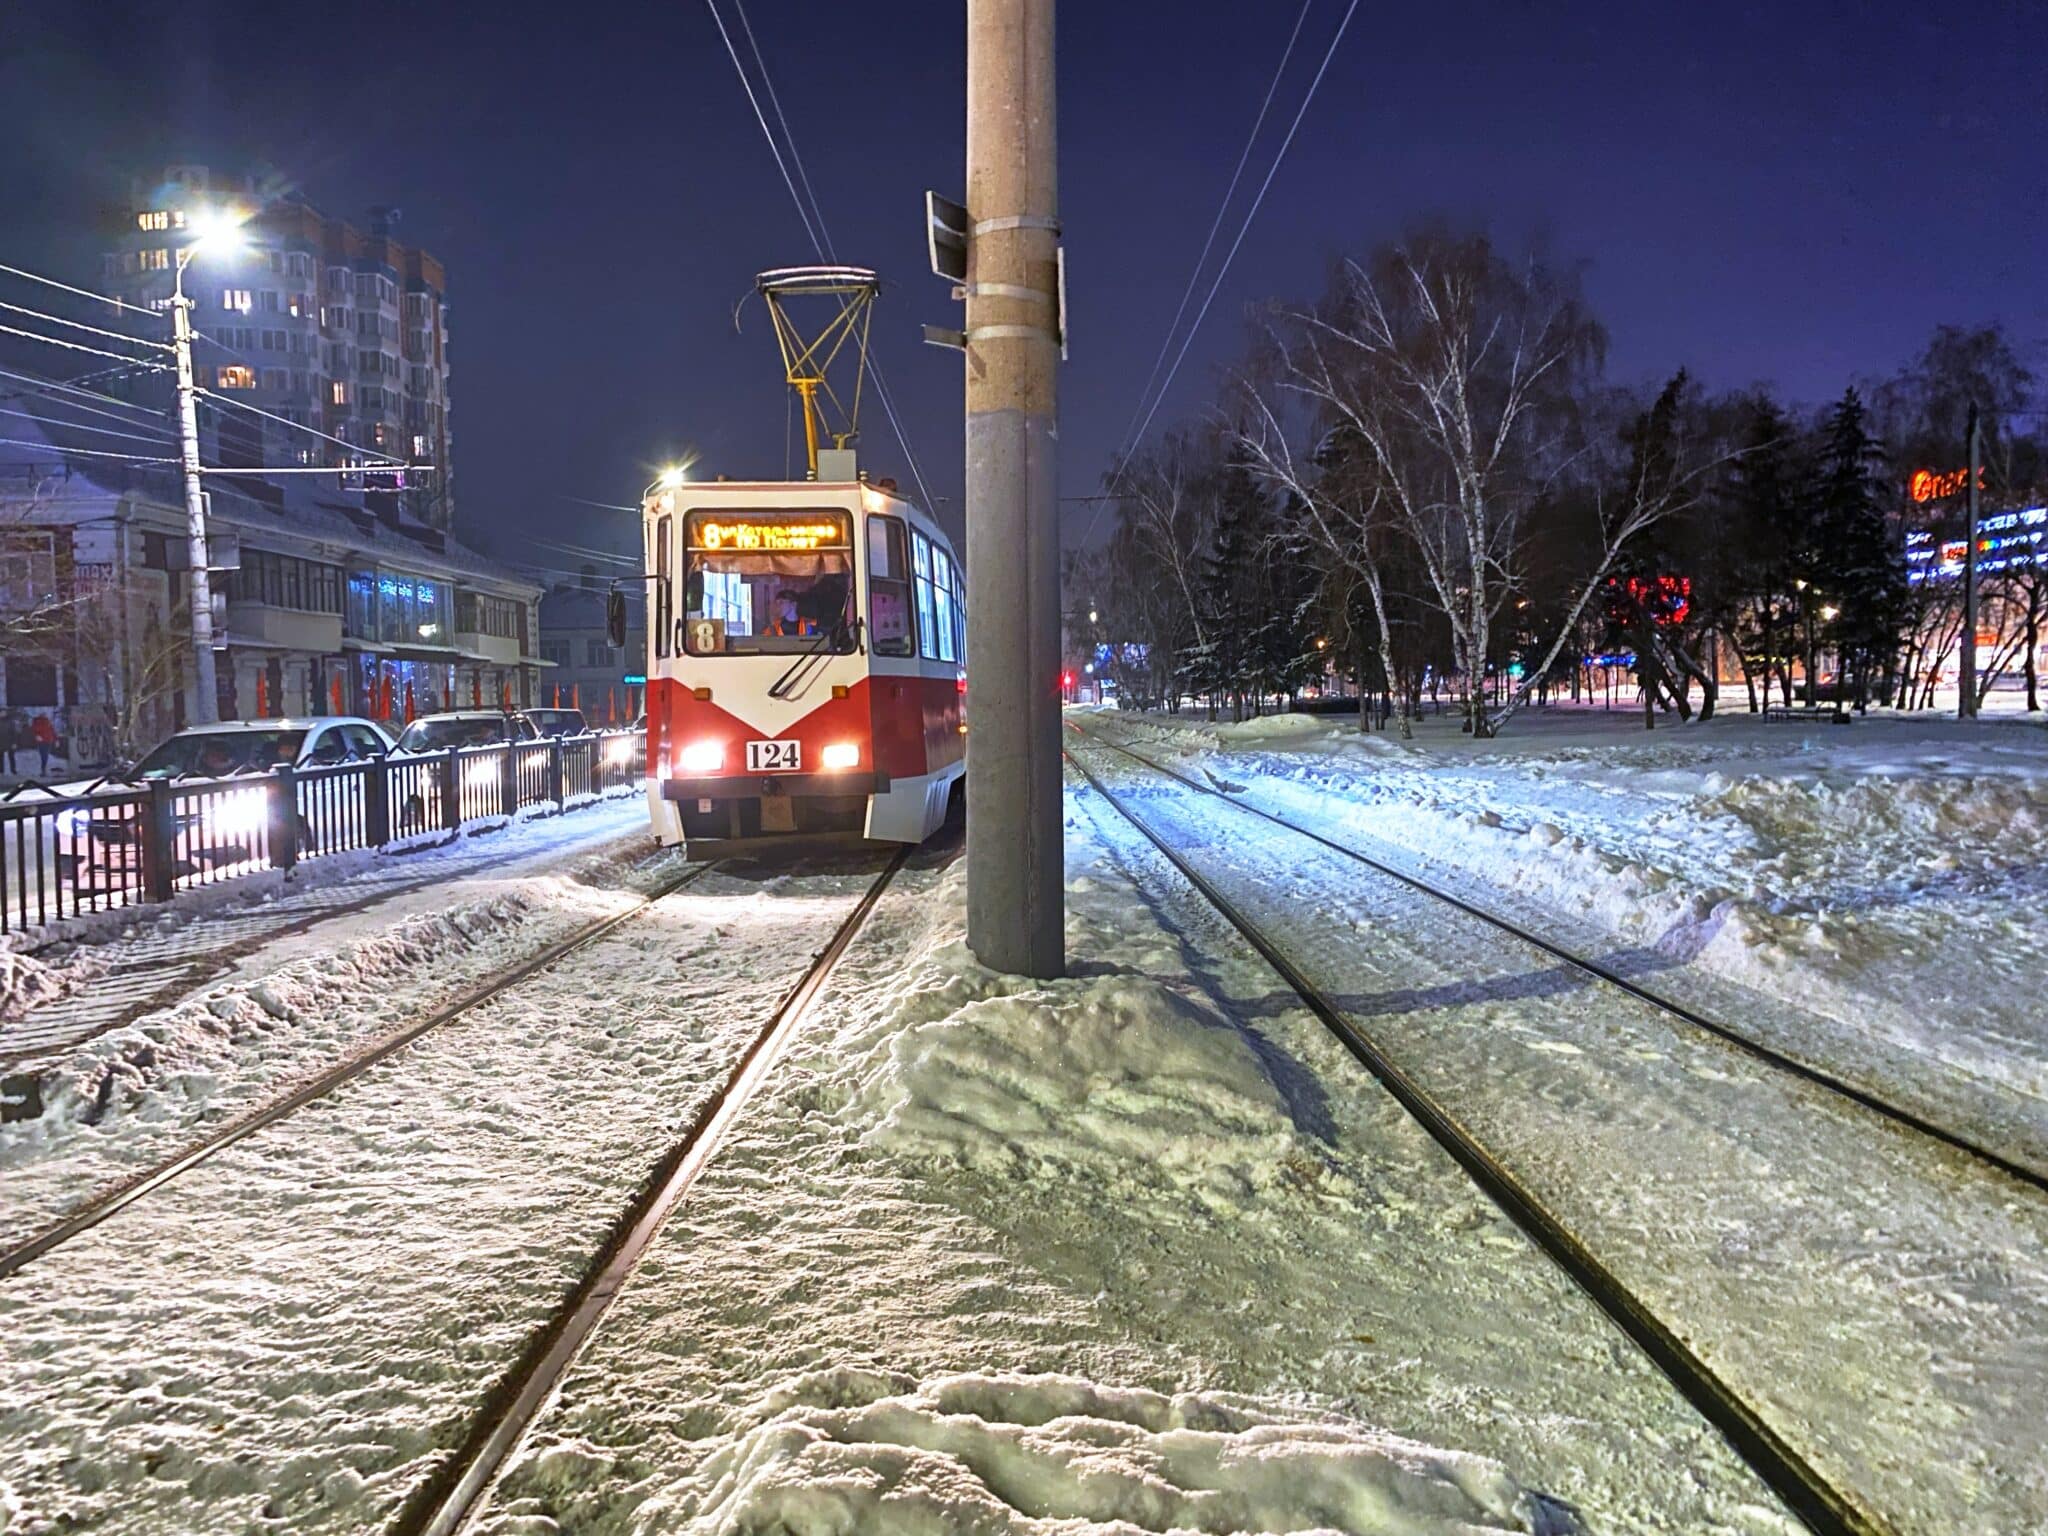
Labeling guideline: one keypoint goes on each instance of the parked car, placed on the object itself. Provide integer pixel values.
(101, 848)
(465, 728)
(417, 793)
(558, 722)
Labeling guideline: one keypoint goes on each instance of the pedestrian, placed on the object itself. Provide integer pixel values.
(7, 730)
(44, 734)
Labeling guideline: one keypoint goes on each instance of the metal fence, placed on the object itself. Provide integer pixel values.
(117, 843)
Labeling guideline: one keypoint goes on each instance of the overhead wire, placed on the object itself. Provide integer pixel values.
(58, 392)
(243, 405)
(69, 346)
(84, 293)
(80, 325)
(820, 236)
(1215, 224)
(1230, 256)
(91, 453)
(77, 426)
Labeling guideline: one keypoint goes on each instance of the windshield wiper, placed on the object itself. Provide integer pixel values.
(797, 671)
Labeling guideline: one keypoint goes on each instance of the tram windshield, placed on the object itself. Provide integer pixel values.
(768, 585)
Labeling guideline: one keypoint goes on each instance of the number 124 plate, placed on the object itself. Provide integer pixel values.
(774, 756)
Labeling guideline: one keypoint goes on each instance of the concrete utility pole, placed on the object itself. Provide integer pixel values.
(1966, 677)
(1016, 908)
(206, 707)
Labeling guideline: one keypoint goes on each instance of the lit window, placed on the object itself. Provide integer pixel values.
(236, 376)
(156, 261)
(160, 219)
(338, 392)
(419, 446)
(237, 299)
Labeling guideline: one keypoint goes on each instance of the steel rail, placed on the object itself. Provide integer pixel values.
(458, 1491)
(1823, 1507)
(91, 1214)
(1861, 1097)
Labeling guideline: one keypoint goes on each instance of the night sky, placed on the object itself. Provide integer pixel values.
(1786, 193)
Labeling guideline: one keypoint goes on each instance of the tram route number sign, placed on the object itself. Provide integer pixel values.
(741, 535)
(774, 756)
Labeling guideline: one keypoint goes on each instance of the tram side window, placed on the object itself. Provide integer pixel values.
(942, 602)
(888, 588)
(921, 561)
(664, 589)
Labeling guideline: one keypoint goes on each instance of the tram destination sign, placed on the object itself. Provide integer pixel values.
(768, 535)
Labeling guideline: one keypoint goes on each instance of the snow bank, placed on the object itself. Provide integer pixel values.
(1115, 1078)
(852, 1452)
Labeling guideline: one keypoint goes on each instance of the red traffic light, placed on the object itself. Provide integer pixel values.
(1066, 679)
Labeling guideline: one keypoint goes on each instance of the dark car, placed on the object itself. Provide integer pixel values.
(558, 722)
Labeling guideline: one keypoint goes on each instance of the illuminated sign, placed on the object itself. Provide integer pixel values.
(747, 534)
(1933, 484)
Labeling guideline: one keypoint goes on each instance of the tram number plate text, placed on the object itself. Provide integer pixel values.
(774, 756)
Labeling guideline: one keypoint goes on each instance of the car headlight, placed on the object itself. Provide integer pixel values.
(234, 816)
(704, 756)
(841, 754)
(616, 752)
(480, 774)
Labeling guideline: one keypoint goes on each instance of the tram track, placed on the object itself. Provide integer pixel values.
(1896, 1115)
(96, 1210)
(1824, 1507)
(448, 1503)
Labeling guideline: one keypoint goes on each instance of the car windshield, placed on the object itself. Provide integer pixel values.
(556, 722)
(439, 735)
(215, 754)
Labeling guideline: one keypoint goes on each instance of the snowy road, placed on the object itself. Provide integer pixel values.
(1884, 1303)
(291, 1335)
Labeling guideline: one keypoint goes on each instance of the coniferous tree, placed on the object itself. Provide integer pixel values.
(1860, 594)
(1233, 587)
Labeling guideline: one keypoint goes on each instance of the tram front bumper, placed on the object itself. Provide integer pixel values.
(755, 786)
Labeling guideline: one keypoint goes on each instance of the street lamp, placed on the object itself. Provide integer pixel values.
(215, 234)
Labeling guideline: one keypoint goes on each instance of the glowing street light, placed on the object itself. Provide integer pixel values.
(217, 234)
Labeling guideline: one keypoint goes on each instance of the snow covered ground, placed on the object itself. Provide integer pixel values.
(1137, 1251)
(288, 1337)
(1872, 897)
(284, 1000)
(1884, 1303)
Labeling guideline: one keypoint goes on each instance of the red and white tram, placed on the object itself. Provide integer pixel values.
(805, 668)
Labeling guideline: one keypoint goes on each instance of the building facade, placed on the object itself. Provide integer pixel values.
(607, 682)
(323, 604)
(320, 323)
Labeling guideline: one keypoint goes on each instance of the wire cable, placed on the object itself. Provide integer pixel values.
(80, 325)
(286, 421)
(821, 240)
(69, 346)
(83, 293)
(1215, 224)
(91, 453)
(56, 392)
(48, 422)
(1231, 255)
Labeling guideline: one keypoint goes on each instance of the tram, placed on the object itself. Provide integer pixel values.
(806, 639)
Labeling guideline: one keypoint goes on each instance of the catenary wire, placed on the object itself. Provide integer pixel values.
(91, 453)
(76, 426)
(58, 393)
(1215, 224)
(821, 240)
(1230, 256)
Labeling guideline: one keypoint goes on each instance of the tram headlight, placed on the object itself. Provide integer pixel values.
(703, 757)
(841, 754)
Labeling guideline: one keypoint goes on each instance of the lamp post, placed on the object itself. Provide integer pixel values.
(221, 235)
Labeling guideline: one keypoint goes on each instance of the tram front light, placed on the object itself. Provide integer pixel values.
(842, 754)
(704, 756)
